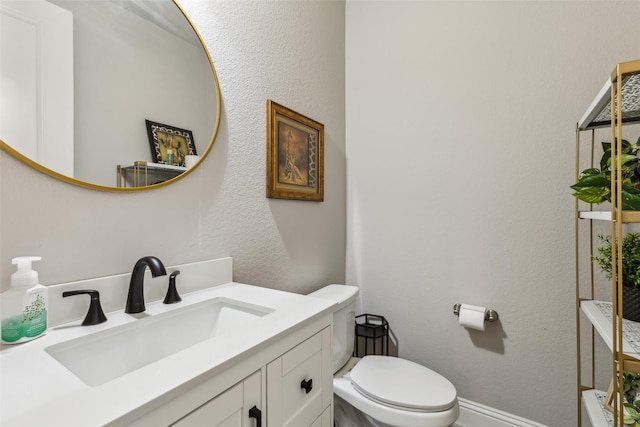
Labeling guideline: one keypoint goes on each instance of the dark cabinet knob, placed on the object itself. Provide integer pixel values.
(95, 315)
(257, 414)
(307, 385)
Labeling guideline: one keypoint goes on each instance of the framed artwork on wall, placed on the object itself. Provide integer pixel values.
(165, 139)
(295, 155)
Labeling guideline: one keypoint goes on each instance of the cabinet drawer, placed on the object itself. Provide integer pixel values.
(299, 382)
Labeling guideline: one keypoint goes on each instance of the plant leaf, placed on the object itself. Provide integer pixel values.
(589, 172)
(589, 179)
(624, 159)
(628, 158)
(606, 155)
(630, 198)
(626, 149)
(592, 195)
(592, 187)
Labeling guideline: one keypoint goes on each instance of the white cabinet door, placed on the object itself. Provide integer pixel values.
(323, 420)
(229, 409)
(299, 383)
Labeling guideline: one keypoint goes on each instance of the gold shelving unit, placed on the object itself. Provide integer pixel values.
(616, 106)
(142, 174)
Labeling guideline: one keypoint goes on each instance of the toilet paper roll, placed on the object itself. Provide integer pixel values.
(472, 316)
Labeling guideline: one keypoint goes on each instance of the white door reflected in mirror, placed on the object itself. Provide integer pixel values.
(36, 82)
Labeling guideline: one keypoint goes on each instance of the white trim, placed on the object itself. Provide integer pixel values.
(474, 414)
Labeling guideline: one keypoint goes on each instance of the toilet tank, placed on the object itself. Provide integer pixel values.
(344, 313)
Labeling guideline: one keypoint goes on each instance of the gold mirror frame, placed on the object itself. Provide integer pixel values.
(33, 164)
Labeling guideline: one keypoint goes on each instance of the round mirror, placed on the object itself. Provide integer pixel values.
(117, 95)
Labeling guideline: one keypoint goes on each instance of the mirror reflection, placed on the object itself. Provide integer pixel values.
(80, 80)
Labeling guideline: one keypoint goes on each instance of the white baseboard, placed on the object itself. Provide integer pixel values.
(474, 414)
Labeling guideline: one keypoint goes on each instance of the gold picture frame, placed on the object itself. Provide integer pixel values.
(295, 155)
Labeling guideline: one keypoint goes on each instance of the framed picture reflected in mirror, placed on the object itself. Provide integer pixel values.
(169, 144)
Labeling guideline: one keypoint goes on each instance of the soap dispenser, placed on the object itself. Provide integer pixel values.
(24, 305)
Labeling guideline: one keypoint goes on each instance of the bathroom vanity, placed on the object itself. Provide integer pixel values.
(231, 354)
(288, 403)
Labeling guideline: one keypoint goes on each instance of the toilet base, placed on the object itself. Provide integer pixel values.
(346, 415)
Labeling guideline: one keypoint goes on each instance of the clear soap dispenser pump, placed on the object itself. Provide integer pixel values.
(24, 305)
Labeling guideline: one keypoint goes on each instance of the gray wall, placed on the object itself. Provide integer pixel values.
(292, 53)
(461, 138)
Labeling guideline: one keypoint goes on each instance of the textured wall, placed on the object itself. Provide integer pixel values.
(460, 152)
(292, 53)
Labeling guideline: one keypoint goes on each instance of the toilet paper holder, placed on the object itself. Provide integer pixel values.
(489, 315)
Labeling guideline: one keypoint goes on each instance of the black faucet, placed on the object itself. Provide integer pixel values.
(135, 299)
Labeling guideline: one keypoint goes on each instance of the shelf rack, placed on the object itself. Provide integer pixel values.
(617, 104)
(141, 173)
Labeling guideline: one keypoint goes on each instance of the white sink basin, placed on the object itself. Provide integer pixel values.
(106, 355)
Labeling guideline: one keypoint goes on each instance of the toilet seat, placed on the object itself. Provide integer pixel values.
(384, 414)
(402, 384)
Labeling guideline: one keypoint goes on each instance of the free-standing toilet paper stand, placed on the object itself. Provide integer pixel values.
(371, 328)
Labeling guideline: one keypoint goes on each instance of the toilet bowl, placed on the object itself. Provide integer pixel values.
(382, 391)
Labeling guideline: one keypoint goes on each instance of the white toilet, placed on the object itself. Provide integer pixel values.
(382, 391)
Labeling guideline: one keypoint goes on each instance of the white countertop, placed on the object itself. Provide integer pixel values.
(36, 390)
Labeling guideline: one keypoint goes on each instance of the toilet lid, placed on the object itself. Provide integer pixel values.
(400, 382)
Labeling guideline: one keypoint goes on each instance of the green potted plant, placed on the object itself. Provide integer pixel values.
(631, 415)
(631, 402)
(594, 185)
(630, 271)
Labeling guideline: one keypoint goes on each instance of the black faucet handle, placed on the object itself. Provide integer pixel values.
(172, 293)
(95, 315)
